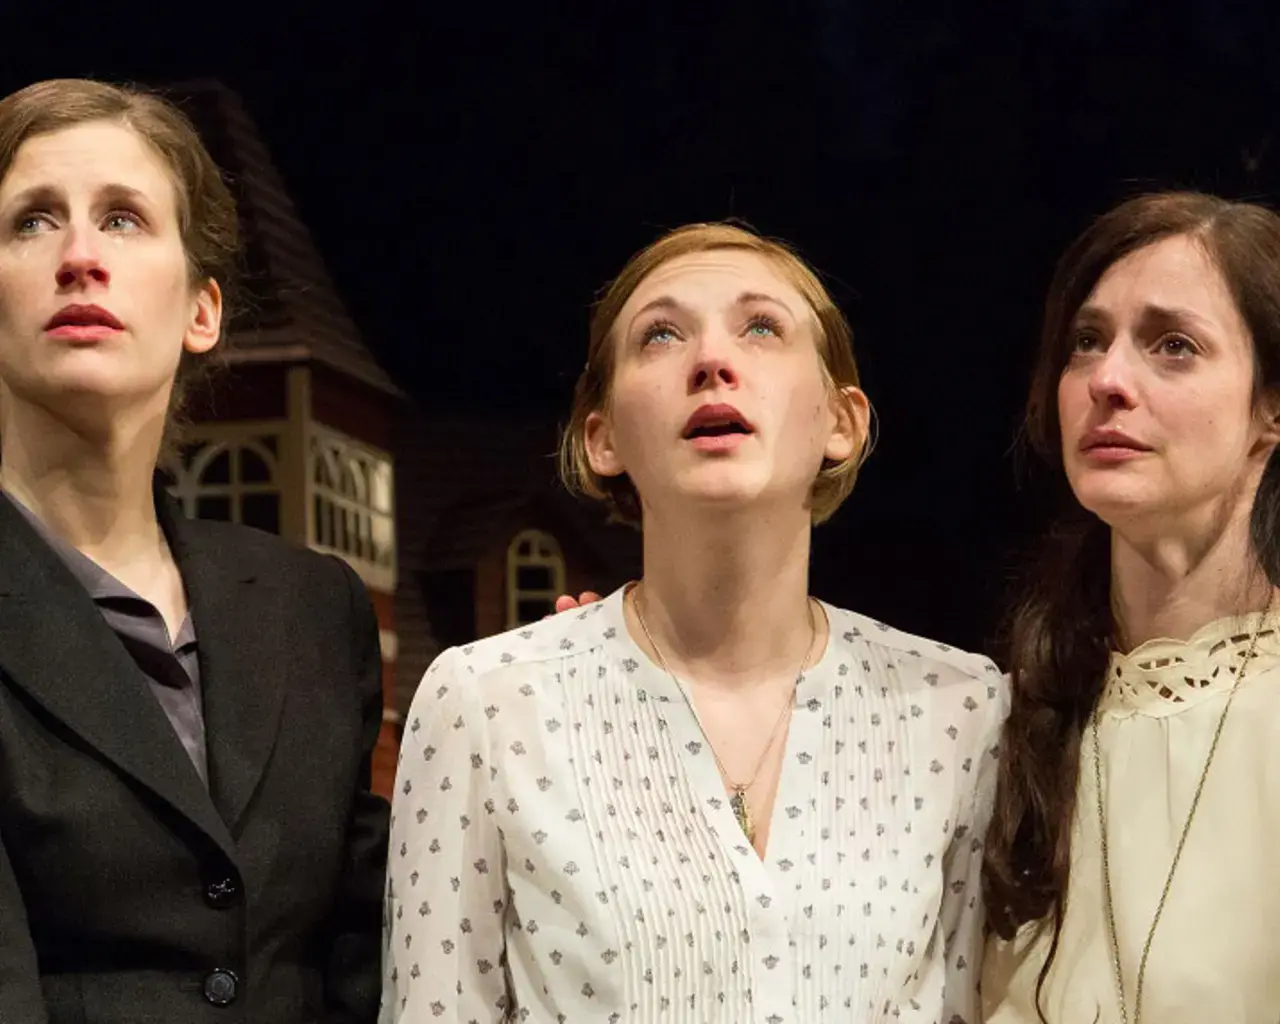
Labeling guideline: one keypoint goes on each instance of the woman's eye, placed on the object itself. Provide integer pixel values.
(1085, 342)
(122, 220)
(1176, 345)
(30, 223)
(764, 327)
(662, 333)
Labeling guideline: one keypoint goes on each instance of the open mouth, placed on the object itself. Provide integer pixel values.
(716, 421)
(717, 430)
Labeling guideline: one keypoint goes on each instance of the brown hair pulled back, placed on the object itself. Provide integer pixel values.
(207, 221)
(832, 334)
(1061, 628)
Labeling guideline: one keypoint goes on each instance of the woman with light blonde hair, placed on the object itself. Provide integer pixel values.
(708, 796)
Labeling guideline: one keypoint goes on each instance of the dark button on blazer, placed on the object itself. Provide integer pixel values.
(129, 892)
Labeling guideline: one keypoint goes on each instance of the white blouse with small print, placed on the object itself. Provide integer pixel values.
(563, 849)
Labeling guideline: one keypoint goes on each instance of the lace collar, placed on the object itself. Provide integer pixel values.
(1164, 677)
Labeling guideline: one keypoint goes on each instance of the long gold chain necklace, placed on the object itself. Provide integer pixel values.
(1182, 839)
(737, 791)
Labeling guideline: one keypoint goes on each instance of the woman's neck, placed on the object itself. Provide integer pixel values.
(1176, 584)
(94, 491)
(725, 599)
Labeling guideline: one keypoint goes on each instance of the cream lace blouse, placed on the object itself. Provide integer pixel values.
(1215, 958)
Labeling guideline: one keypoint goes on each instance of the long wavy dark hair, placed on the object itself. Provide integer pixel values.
(1061, 628)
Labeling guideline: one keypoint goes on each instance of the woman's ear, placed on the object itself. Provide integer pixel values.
(852, 413)
(205, 326)
(597, 438)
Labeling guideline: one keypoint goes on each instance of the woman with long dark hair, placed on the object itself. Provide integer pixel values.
(1130, 863)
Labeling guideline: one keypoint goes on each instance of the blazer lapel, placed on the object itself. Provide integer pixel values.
(240, 651)
(56, 647)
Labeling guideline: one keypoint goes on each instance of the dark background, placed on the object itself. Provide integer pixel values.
(474, 172)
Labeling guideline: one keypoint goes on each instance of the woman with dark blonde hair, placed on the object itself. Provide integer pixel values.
(708, 796)
(187, 709)
(1129, 867)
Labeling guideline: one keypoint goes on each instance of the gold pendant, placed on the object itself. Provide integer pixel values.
(740, 811)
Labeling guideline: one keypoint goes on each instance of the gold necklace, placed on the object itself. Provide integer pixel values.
(1182, 839)
(737, 791)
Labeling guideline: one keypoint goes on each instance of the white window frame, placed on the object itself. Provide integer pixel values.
(214, 439)
(544, 553)
(340, 452)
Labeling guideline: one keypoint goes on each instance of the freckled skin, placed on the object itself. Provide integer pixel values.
(757, 355)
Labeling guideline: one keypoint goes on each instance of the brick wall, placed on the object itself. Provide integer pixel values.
(388, 748)
(353, 408)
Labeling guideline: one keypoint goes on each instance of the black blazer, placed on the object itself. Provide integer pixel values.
(128, 892)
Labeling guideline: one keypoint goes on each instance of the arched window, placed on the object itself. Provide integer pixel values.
(353, 505)
(233, 480)
(535, 577)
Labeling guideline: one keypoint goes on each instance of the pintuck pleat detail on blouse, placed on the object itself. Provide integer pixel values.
(594, 855)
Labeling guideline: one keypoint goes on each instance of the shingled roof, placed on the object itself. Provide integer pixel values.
(293, 310)
(460, 483)
(468, 529)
